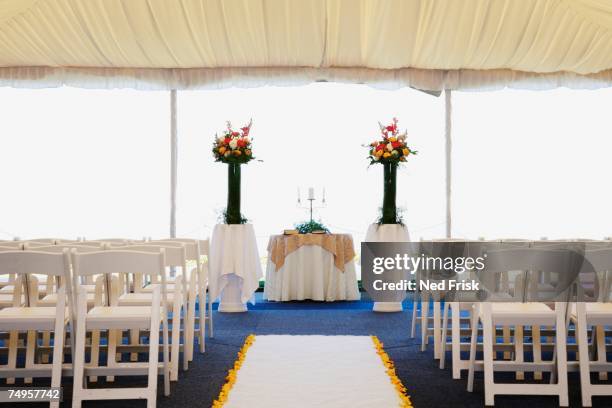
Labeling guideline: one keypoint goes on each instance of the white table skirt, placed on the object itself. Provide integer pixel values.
(234, 261)
(309, 273)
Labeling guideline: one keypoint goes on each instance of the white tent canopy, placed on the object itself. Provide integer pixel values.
(193, 44)
(431, 45)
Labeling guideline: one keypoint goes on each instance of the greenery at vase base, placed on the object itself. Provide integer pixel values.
(225, 219)
(310, 226)
(399, 217)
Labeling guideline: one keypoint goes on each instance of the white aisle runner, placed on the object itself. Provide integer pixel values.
(313, 371)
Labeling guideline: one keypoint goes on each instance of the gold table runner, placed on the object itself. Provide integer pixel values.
(339, 245)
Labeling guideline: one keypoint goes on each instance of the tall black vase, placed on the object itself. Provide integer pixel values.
(389, 210)
(232, 215)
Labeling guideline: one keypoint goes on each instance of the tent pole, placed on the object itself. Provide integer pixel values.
(173, 163)
(447, 136)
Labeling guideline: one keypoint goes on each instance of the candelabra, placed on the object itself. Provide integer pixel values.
(311, 199)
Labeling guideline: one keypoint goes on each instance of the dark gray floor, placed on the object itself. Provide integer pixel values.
(427, 385)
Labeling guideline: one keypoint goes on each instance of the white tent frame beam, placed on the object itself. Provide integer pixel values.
(173, 161)
(448, 155)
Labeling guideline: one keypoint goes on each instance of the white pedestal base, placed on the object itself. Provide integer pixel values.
(388, 307)
(234, 266)
(230, 301)
(387, 233)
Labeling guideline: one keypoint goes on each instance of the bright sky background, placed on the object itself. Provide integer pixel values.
(95, 163)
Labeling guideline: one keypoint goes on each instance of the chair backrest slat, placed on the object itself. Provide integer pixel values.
(117, 261)
(33, 262)
(175, 254)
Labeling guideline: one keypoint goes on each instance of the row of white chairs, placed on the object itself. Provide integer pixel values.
(498, 330)
(124, 289)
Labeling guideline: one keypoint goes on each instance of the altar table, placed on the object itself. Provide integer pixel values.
(311, 266)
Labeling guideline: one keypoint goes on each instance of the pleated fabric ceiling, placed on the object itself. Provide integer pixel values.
(189, 44)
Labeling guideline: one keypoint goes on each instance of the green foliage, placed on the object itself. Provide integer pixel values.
(224, 219)
(309, 226)
(399, 217)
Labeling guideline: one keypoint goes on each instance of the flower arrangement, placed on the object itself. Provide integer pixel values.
(234, 149)
(390, 151)
(392, 148)
(233, 146)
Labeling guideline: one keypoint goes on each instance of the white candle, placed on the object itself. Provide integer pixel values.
(299, 198)
(323, 194)
(311, 193)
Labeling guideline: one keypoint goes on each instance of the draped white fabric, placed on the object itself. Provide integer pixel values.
(309, 273)
(192, 44)
(233, 253)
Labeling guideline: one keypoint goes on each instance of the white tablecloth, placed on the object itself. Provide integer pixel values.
(387, 233)
(309, 273)
(234, 260)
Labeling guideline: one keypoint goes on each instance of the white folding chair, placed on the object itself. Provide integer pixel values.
(113, 318)
(197, 251)
(31, 318)
(425, 297)
(175, 257)
(598, 315)
(534, 314)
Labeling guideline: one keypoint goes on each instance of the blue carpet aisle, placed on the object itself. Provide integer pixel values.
(428, 386)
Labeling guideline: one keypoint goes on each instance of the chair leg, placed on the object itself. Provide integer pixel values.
(488, 341)
(134, 341)
(519, 351)
(456, 340)
(190, 325)
(424, 323)
(437, 329)
(210, 314)
(176, 341)
(166, 351)
(30, 352)
(444, 335)
(111, 352)
(154, 355)
(202, 327)
(561, 343)
(415, 305)
(46, 342)
(78, 356)
(58, 350)
(601, 350)
(95, 352)
(12, 355)
(506, 337)
(584, 361)
(537, 349)
(473, 344)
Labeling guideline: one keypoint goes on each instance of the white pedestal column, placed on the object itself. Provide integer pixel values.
(231, 296)
(234, 266)
(387, 233)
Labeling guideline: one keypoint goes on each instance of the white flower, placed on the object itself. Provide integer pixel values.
(376, 158)
(233, 143)
(389, 146)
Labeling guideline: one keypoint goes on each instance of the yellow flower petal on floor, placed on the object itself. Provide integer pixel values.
(233, 373)
(388, 363)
